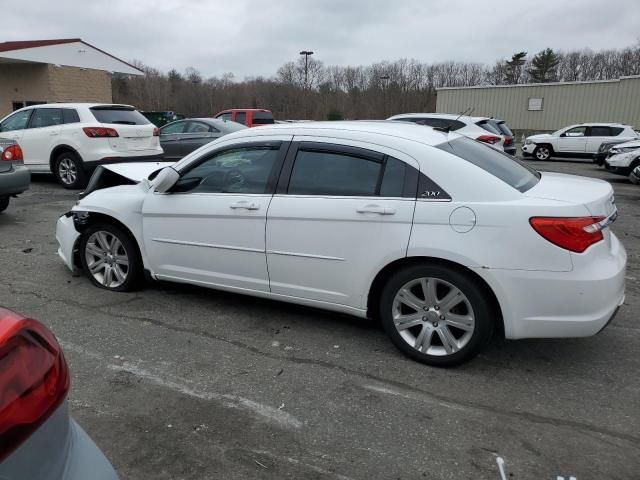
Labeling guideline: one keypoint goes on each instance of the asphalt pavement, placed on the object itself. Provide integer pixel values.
(179, 382)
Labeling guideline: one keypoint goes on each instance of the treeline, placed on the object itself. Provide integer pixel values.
(355, 92)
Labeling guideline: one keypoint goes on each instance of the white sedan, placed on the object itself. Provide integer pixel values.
(441, 237)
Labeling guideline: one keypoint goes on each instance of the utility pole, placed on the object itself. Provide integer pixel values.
(307, 54)
(385, 85)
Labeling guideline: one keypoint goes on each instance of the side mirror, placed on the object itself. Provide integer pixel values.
(166, 179)
(563, 134)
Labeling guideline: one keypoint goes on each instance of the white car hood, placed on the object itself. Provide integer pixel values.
(541, 136)
(136, 171)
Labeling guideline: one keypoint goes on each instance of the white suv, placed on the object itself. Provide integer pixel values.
(576, 140)
(71, 139)
(477, 128)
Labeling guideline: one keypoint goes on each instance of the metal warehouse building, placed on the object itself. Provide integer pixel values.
(549, 106)
(62, 70)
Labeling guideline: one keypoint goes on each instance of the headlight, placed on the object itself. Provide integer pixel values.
(623, 150)
(528, 142)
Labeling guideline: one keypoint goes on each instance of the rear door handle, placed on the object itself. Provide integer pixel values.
(245, 205)
(376, 209)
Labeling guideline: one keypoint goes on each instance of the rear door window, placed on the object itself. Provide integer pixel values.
(505, 167)
(599, 132)
(119, 115)
(70, 115)
(334, 173)
(173, 128)
(46, 117)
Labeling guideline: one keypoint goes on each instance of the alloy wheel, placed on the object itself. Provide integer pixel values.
(433, 316)
(107, 260)
(542, 153)
(67, 171)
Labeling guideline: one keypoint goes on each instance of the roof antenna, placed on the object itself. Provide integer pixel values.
(468, 111)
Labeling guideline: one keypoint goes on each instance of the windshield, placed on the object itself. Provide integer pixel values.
(507, 168)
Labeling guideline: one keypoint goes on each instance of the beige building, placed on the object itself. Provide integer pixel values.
(549, 106)
(46, 71)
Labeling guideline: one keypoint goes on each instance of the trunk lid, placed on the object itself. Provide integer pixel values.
(596, 195)
(132, 138)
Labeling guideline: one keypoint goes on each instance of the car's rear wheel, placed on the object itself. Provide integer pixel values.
(542, 152)
(436, 315)
(110, 258)
(4, 203)
(69, 171)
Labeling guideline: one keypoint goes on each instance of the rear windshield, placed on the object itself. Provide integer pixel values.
(263, 118)
(119, 115)
(504, 129)
(507, 168)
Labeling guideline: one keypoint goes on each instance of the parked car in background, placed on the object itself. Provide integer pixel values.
(180, 138)
(576, 140)
(71, 139)
(251, 117)
(501, 127)
(634, 176)
(38, 438)
(623, 158)
(457, 239)
(476, 128)
(603, 151)
(14, 177)
(160, 119)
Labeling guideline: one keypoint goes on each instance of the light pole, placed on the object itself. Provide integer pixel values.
(385, 84)
(307, 54)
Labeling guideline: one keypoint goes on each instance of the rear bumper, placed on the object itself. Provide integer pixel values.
(14, 181)
(91, 165)
(579, 303)
(510, 150)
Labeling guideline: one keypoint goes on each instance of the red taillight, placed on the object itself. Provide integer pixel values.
(571, 233)
(100, 132)
(491, 139)
(508, 141)
(34, 378)
(156, 132)
(12, 153)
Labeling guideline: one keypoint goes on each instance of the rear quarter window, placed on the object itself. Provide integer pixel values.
(615, 131)
(505, 167)
(119, 115)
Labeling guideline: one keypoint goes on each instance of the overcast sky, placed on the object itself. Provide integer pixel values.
(255, 37)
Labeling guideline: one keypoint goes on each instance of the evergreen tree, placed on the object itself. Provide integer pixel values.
(544, 66)
(514, 68)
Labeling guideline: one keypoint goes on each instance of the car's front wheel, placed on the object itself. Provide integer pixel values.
(542, 152)
(110, 258)
(69, 171)
(436, 315)
(4, 203)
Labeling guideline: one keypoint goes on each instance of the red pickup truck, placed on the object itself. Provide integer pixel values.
(251, 117)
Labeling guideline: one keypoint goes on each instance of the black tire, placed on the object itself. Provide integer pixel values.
(544, 151)
(134, 272)
(4, 203)
(474, 293)
(69, 171)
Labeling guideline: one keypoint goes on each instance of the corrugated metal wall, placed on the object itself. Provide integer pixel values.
(563, 104)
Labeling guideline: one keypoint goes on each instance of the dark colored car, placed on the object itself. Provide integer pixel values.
(500, 127)
(251, 117)
(38, 438)
(14, 176)
(178, 139)
(160, 119)
(603, 151)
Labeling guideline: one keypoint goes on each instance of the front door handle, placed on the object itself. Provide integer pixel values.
(376, 209)
(245, 205)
